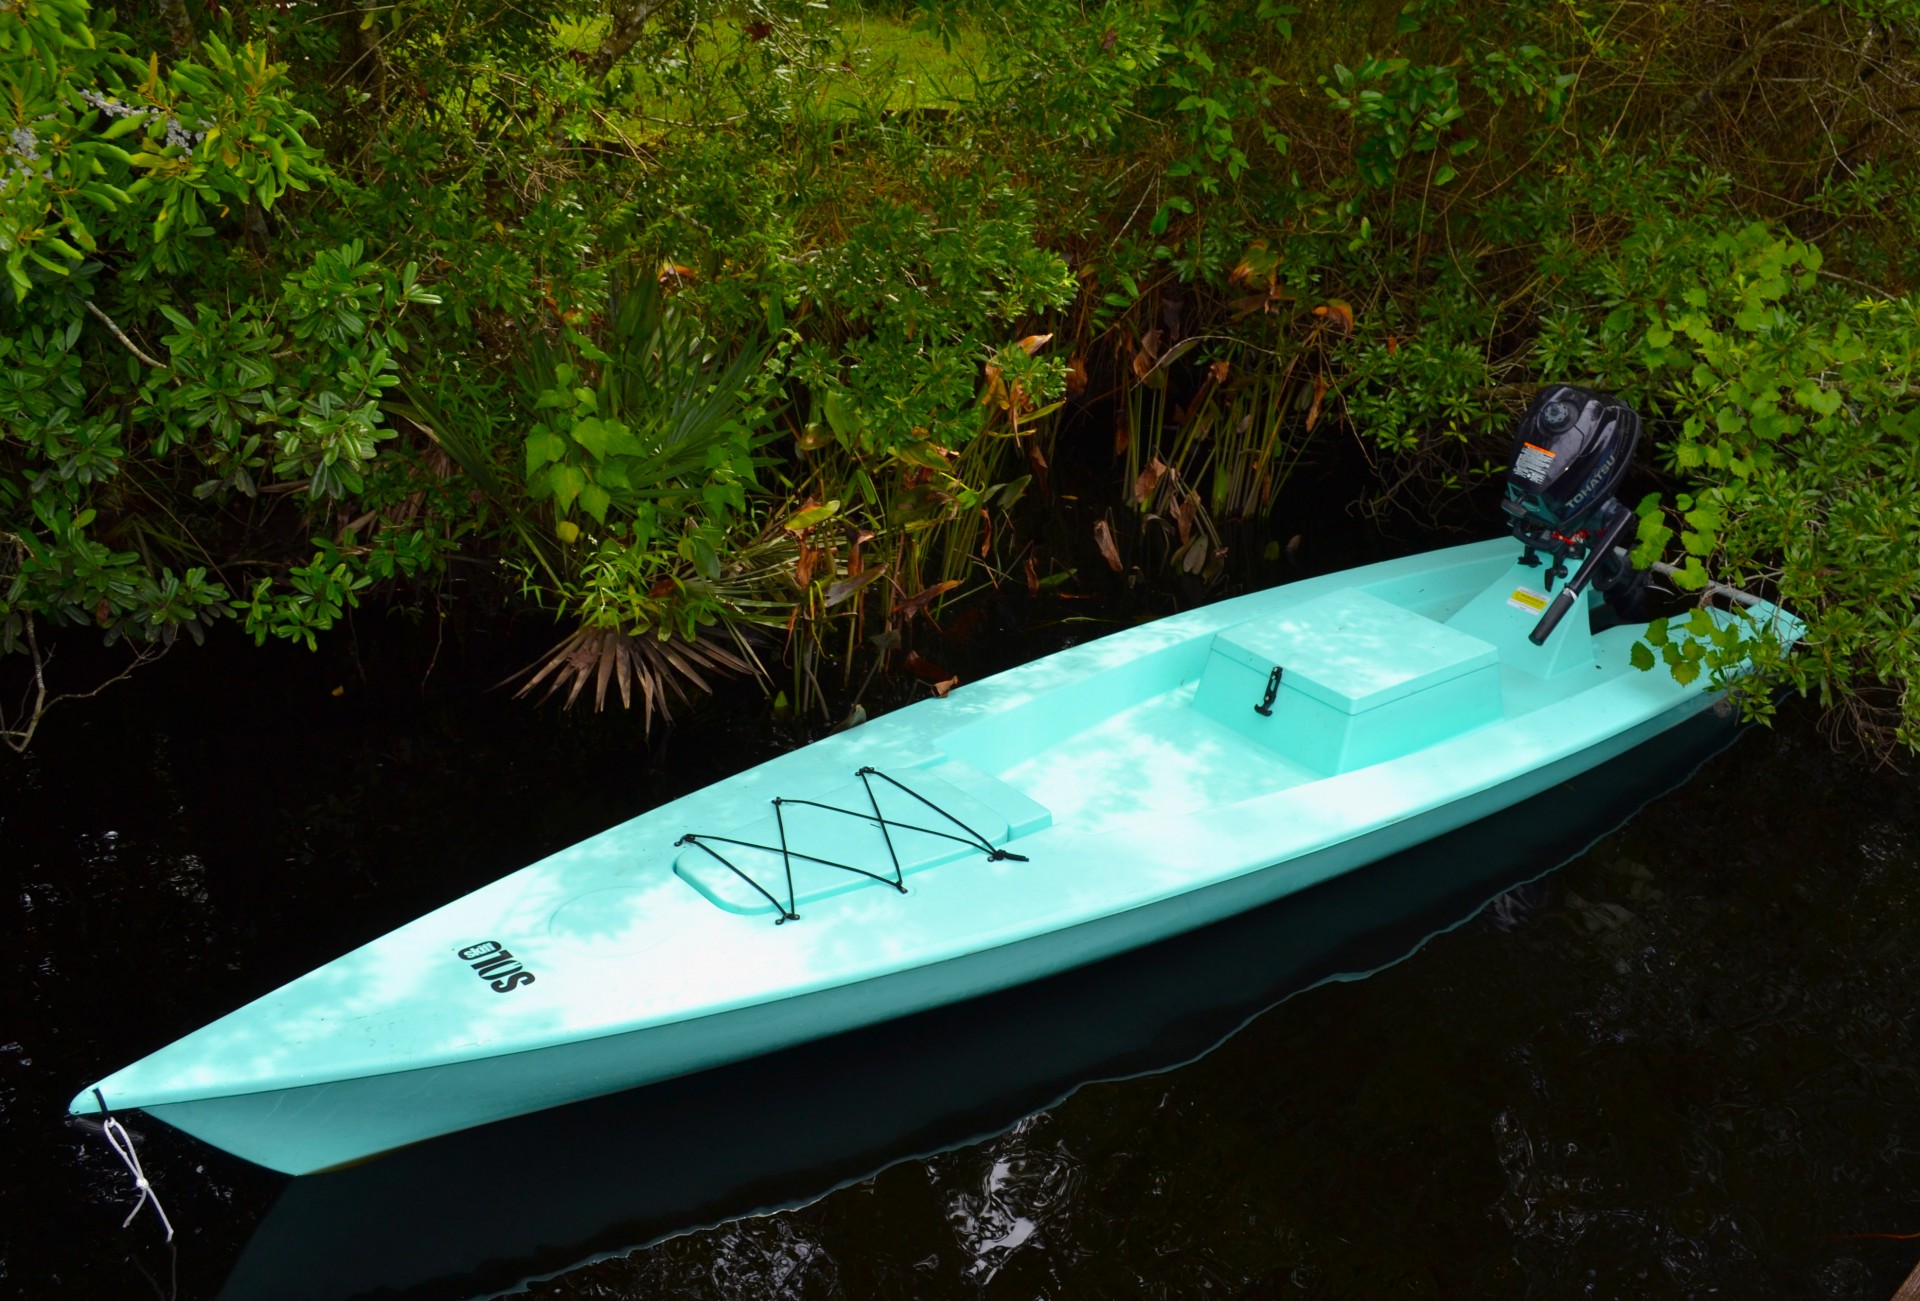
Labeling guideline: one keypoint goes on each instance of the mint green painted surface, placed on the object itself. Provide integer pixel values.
(1505, 611)
(1363, 681)
(1355, 652)
(916, 838)
(1125, 770)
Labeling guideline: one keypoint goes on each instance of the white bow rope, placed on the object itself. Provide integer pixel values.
(122, 1144)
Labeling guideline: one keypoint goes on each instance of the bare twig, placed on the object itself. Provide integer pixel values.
(121, 335)
(1741, 66)
(20, 735)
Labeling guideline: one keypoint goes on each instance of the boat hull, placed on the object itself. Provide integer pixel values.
(319, 1127)
(1119, 792)
(615, 1173)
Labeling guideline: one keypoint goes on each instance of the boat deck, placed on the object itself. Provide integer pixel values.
(1165, 756)
(1161, 756)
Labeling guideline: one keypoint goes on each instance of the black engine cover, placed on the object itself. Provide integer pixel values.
(1572, 448)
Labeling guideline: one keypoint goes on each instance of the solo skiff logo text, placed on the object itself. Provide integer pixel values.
(495, 965)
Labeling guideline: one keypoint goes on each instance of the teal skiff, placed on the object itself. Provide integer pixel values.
(1095, 800)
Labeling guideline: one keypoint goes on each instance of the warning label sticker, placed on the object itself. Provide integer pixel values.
(1525, 598)
(1533, 463)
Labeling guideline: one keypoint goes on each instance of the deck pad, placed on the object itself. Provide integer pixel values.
(846, 832)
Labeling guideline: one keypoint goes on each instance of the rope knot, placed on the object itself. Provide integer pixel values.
(122, 1144)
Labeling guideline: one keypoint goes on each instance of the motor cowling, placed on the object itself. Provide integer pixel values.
(1570, 452)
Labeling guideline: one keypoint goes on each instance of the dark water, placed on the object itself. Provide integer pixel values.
(1684, 1065)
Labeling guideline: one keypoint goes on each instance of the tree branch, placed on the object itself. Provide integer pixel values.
(628, 21)
(1741, 66)
(120, 334)
(18, 737)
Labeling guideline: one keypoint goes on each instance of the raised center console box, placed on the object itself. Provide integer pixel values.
(1361, 681)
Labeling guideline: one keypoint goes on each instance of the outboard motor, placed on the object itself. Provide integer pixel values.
(1570, 453)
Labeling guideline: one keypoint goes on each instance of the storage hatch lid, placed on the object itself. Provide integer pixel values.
(1354, 651)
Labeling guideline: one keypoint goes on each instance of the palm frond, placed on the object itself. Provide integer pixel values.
(657, 665)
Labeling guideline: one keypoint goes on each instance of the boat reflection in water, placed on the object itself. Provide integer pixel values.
(486, 1210)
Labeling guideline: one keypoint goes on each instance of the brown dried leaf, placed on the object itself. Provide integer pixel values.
(852, 583)
(921, 600)
(651, 698)
(1147, 356)
(670, 650)
(1034, 343)
(1185, 514)
(1037, 462)
(1320, 387)
(1256, 265)
(996, 394)
(611, 649)
(1033, 578)
(1103, 538)
(1338, 314)
(1149, 479)
(1219, 371)
(942, 688)
(925, 669)
(1077, 375)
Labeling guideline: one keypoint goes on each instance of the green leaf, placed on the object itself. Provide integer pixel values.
(566, 481)
(1641, 657)
(620, 440)
(1690, 576)
(591, 434)
(800, 521)
(841, 415)
(705, 562)
(543, 446)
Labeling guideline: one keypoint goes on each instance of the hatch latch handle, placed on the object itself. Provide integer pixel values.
(1265, 707)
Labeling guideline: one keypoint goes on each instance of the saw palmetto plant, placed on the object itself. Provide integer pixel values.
(640, 453)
